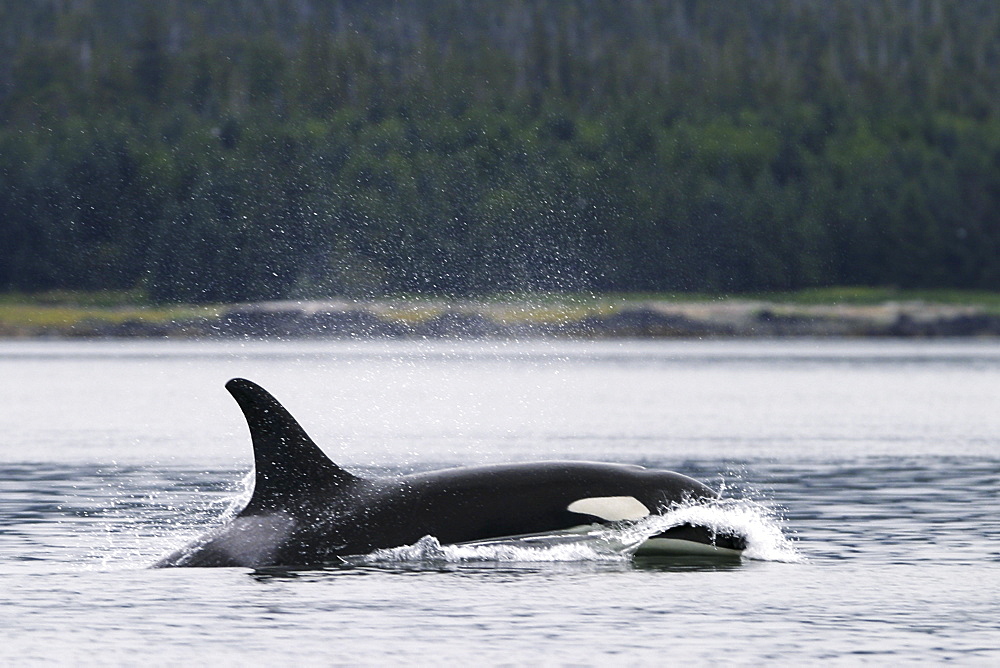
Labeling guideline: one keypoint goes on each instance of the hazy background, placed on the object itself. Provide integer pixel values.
(200, 151)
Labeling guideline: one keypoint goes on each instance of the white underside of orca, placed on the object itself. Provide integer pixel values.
(667, 547)
(673, 547)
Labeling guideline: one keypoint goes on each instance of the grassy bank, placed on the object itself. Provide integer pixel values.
(987, 301)
(64, 312)
(844, 311)
(833, 296)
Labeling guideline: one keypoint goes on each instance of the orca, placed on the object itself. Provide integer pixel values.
(307, 511)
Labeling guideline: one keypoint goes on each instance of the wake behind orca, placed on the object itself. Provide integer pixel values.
(305, 510)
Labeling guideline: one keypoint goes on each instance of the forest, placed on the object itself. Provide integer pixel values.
(205, 151)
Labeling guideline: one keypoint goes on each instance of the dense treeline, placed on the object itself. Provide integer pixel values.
(220, 151)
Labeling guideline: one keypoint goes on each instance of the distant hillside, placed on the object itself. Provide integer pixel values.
(203, 151)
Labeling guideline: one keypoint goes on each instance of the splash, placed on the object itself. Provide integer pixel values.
(554, 547)
(140, 527)
(759, 524)
(618, 542)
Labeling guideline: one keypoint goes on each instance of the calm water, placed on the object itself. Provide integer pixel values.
(878, 462)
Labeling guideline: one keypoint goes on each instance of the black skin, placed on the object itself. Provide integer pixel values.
(306, 510)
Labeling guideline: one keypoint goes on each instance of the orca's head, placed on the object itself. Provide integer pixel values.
(663, 489)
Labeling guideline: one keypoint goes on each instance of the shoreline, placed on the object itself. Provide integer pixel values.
(441, 319)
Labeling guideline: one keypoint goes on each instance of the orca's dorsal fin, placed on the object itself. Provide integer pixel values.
(289, 467)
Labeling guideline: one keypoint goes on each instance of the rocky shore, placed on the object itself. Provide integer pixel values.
(592, 319)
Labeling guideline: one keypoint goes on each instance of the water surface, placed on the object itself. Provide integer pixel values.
(878, 460)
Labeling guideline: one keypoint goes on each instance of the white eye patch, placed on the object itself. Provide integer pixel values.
(610, 508)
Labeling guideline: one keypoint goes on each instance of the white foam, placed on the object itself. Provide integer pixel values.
(550, 548)
(616, 542)
(756, 522)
